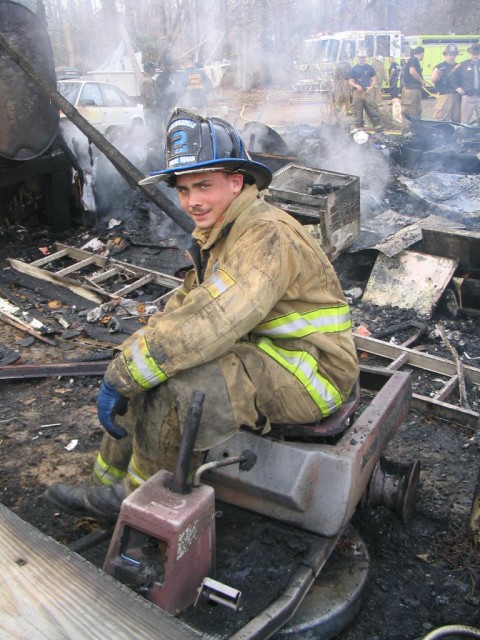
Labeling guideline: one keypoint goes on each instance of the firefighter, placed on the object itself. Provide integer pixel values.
(260, 326)
(363, 79)
(412, 85)
(466, 79)
(149, 92)
(447, 100)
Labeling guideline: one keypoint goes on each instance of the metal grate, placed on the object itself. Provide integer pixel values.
(336, 212)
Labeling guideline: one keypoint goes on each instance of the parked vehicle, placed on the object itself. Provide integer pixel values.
(320, 55)
(105, 106)
(434, 47)
(67, 73)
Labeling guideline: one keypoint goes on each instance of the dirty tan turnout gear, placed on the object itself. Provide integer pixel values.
(261, 314)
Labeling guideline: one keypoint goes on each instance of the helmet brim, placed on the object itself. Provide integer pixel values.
(260, 173)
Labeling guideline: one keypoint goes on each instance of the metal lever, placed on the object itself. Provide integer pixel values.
(178, 483)
(247, 460)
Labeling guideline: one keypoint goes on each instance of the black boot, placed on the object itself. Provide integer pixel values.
(67, 497)
(100, 501)
(104, 501)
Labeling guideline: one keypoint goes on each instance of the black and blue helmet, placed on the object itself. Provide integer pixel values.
(196, 144)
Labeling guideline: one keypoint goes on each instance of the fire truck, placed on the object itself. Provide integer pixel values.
(322, 55)
(434, 46)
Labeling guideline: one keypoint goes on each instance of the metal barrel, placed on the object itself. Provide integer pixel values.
(28, 118)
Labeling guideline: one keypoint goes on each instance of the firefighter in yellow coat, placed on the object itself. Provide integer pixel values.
(261, 325)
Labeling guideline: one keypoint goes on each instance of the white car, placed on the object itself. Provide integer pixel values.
(105, 106)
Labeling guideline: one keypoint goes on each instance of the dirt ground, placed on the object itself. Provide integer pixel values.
(424, 573)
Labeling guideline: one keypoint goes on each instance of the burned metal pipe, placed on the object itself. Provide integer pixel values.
(119, 161)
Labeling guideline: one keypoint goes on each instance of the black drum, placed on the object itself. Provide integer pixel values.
(28, 119)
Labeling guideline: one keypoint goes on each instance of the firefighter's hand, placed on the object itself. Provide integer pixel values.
(110, 403)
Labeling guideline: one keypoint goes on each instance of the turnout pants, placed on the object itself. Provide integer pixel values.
(447, 107)
(470, 106)
(364, 101)
(241, 388)
(411, 102)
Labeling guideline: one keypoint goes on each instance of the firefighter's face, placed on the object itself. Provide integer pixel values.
(206, 196)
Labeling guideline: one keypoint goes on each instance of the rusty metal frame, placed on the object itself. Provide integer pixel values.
(402, 356)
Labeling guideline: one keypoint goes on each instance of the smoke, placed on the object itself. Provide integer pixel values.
(367, 161)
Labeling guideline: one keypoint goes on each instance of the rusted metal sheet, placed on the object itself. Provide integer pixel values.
(28, 118)
(464, 245)
(409, 280)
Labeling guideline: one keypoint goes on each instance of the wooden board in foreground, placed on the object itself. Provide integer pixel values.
(47, 592)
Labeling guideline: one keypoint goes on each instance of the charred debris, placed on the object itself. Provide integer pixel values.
(409, 264)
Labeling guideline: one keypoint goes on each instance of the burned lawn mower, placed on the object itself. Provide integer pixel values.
(259, 542)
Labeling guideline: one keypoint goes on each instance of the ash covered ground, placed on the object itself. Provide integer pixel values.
(424, 573)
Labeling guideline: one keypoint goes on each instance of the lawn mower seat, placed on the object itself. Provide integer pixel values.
(335, 424)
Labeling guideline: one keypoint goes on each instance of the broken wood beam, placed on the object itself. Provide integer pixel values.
(458, 363)
(23, 326)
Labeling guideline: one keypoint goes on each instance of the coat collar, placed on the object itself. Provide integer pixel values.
(207, 238)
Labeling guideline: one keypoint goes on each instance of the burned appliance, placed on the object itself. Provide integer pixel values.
(326, 201)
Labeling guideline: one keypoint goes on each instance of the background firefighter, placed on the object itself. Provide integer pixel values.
(412, 86)
(466, 79)
(261, 325)
(362, 79)
(149, 96)
(447, 100)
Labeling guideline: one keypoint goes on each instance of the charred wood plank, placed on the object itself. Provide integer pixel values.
(23, 371)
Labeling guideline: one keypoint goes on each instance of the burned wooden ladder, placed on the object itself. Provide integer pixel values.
(401, 356)
(74, 277)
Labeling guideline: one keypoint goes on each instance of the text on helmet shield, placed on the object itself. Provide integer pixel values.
(191, 124)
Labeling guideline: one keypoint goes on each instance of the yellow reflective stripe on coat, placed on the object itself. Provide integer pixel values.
(106, 473)
(135, 475)
(218, 283)
(304, 367)
(141, 365)
(299, 325)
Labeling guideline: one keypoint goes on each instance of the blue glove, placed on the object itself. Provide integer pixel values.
(110, 403)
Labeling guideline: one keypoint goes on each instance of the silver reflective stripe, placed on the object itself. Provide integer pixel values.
(325, 321)
(299, 324)
(139, 363)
